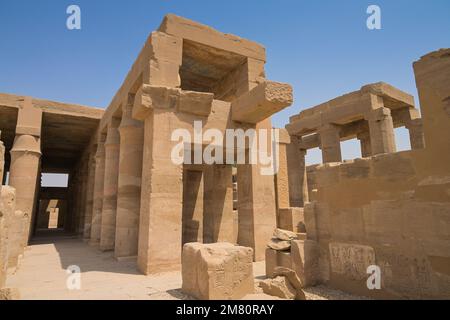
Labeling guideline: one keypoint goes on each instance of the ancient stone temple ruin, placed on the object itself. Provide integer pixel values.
(126, 195)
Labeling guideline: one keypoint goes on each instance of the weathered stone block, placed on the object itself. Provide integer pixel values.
(217, 271)
(291, 219)
(271, 262)
(305, 261)
(261, 102)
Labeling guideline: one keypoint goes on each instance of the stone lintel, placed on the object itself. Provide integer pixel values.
(261, 102)
(197, 32)
(149, 97)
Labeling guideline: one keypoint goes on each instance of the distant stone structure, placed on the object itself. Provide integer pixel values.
(332, 221)
(389, 209)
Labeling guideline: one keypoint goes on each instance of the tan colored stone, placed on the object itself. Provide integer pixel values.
(9, 294)
(279, 287)
(261, 102)
(305, 261)
(290, 275)
(217, 271)
(271, 262)
(279, 245)
(291, 219)
(284, 235)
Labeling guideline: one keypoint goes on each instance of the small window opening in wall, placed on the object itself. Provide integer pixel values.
(350, 149)
(402, 139)
(313, 156)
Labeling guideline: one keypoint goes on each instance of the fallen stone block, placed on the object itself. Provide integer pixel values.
(285, 235)
(276, 259)
(261, 102)
(279, 245)
(291, 275)
(217, 271)
(279, 287)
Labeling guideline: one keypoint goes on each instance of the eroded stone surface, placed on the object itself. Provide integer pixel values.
(217, 271)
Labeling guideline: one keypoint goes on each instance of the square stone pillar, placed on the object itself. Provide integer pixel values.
(256, 205)
(416, 136)
(98, 191)
(129, 183)
(298, 183)
(381, 127)
(364, 140)
(110, 187)
(193, 203)
(81, 199)
(281, 177)
(160, 222)
(25, 162)
(330, 143)
(218, 204)
(89, 196)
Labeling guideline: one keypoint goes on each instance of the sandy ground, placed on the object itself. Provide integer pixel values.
(43, 275)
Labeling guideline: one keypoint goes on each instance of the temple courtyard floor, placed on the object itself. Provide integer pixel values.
(43, 275)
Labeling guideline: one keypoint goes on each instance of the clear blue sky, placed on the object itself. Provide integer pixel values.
(323, 48)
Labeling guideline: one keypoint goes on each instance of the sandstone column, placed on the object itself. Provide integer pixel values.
(218, 206)
(110, 187)
(25, 162)
(304, 174)
(330, 143)
(298, 184)
(416, 136)
(193, 203)
(129, 184)
(256, 205)
(98, 191)
(364, 140)
(281, 177)
(160, 223)
(89, 196)
(381, 127)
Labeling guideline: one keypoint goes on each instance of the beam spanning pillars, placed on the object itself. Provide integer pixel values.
(261, 102)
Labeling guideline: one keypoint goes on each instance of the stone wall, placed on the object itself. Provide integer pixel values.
(391, 210)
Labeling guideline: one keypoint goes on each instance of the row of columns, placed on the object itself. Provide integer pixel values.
(114, 186)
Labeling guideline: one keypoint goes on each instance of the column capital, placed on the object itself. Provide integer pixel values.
(112, 136)
(378, 114)
(127, 116)
(29, 119)
(26, 143)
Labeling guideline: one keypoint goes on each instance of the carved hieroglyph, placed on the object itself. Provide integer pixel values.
(351, 260)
